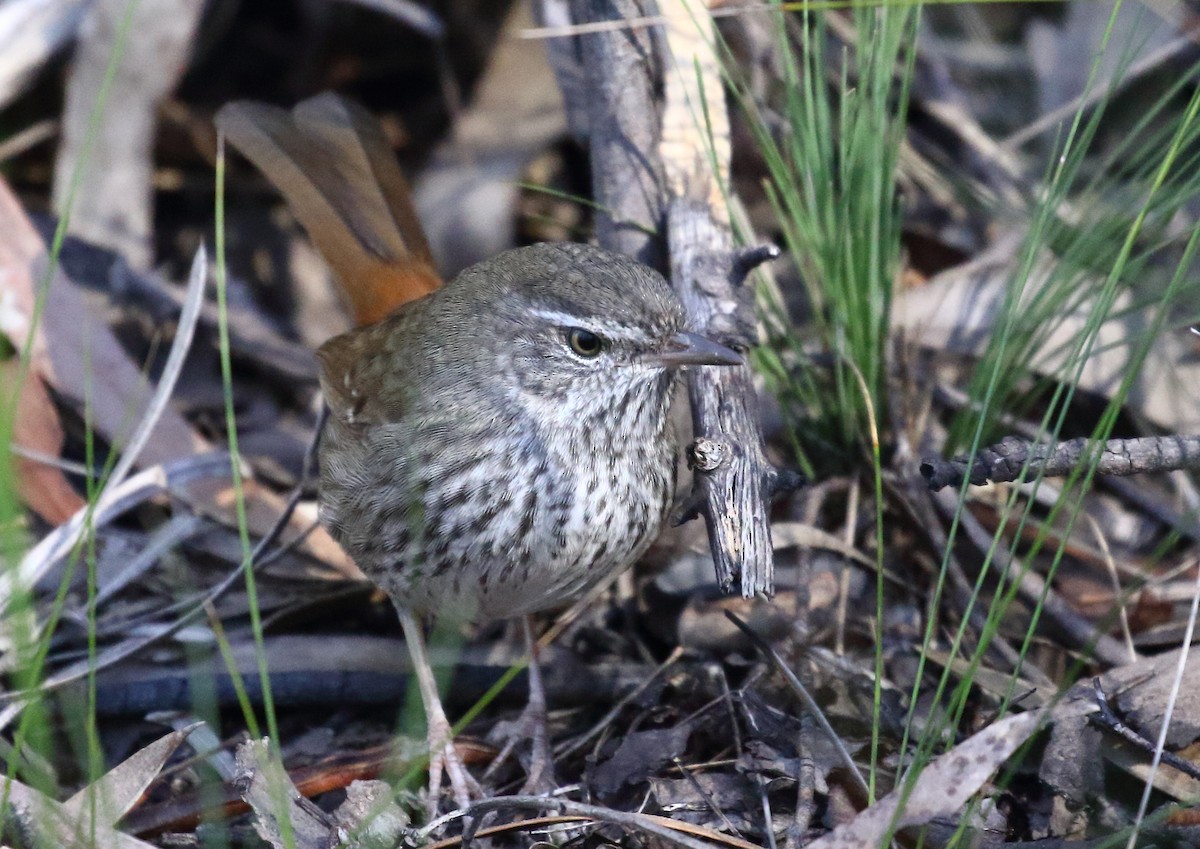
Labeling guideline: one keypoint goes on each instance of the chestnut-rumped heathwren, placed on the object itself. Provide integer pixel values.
(500, 445)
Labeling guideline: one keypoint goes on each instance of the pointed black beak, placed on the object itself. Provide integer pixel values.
(692, 349)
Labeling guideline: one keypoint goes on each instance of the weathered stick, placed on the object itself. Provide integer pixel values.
(619, 72)
(1011, 458)
(669, 175)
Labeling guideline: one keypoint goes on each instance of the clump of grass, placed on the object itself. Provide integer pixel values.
(832, 184)
(1101, 240)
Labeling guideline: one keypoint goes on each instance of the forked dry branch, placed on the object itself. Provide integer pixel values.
(661, 172)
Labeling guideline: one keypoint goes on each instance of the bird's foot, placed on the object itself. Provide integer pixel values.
(444, 759)
(531, 726)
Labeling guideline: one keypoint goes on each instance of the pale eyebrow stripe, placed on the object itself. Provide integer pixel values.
(561, 317)
(607, 329)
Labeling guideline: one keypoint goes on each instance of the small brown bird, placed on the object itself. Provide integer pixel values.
(499, 446)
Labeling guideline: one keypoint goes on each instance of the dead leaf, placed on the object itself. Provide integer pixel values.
(266, 787)
(1149, 611)
(639, 756)
(70, 824)
(958, 310)
(41, 485)
(119, 789)
(72, 351)
(943, 787)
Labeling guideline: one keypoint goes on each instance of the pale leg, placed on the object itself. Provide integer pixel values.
(442, 754)
(541, 759)
(531, 725)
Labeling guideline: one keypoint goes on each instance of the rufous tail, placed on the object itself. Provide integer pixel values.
(332, 163)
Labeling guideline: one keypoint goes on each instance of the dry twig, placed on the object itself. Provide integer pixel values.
(1014, 458)
(673, 175)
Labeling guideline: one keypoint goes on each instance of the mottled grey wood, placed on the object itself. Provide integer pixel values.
(734, 492)
(621, 76)
(1013, 458)
(733, 482)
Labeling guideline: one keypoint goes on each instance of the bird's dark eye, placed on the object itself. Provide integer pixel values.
(585, 343)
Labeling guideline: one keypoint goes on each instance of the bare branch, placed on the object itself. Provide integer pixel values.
(671, 176)
(623, 130)
(1014, 458)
